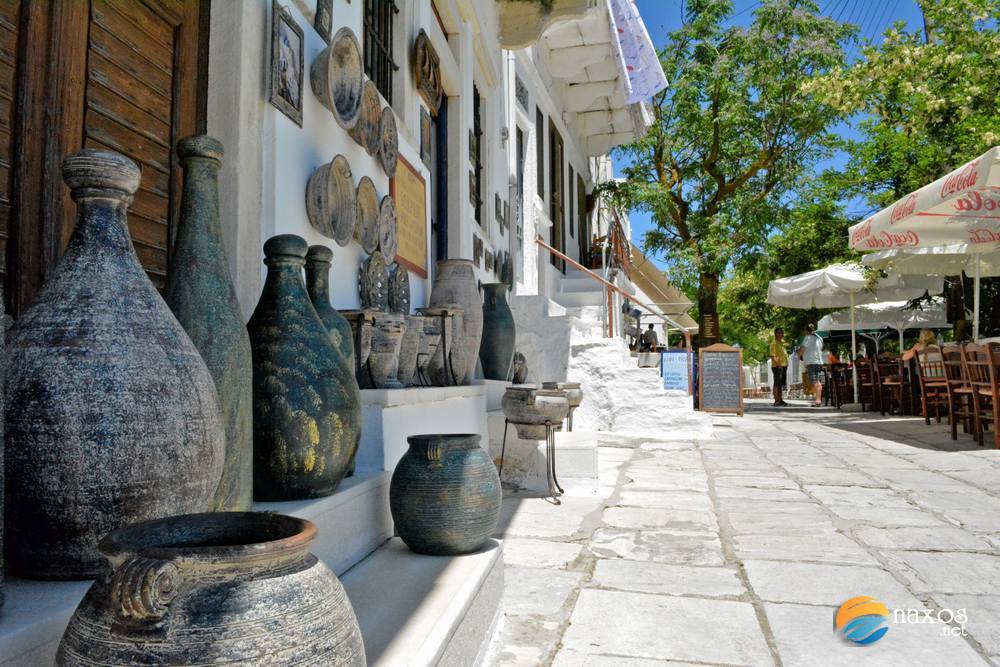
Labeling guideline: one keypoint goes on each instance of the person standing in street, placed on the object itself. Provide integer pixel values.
(811, 354)
(779, 365)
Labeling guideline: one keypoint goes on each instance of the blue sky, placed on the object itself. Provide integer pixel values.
(873, 17)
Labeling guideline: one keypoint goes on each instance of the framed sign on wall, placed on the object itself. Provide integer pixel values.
(409, 190)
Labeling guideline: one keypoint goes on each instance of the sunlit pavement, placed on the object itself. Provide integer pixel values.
(739, 549)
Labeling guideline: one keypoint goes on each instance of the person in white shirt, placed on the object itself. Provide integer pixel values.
(811, 354)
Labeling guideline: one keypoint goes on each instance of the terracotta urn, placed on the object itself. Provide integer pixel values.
(383, 363)
(307, 407)
(112, 416)
(235, 588)
(445, 495)
(409, 349)
(362, 329)
(318, 261)
(497, 350)
(201, 295)
(528, 409)
(455, 283)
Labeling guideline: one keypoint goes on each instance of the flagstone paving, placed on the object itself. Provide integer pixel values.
(738, 550)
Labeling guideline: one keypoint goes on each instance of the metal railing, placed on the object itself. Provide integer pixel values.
(609, 288)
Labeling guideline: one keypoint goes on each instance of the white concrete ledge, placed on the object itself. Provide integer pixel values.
(426, 610)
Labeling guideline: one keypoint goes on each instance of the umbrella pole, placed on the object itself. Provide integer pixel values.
(854, 352)
(975, 304)
(900, 340)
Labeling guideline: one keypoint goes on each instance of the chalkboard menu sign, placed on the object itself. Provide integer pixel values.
(720, 383)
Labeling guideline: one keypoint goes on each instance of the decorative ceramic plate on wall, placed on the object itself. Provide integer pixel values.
(399, 290)
(388, 241)
(337, 77)
(367, 132)
(388, 151)
(374, 283)
(366, 226)
(330, 200)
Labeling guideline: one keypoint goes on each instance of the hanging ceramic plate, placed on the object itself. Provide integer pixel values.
(399, 290)
(367, 131)
(388, 242)
(337, 78)
(366, 222)
(330, 200)
(388, 151)
(374, 283)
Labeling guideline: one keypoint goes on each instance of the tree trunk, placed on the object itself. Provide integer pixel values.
(708, 301)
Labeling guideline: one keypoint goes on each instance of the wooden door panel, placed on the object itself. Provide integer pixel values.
(9, 19)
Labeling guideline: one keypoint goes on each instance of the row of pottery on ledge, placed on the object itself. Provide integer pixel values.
(445, 494)
(237, 588)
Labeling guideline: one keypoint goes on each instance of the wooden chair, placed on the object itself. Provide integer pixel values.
(982, 381)
(866, 383)
(933, 380)
(841, 389)
(890, 384)
(959, 393)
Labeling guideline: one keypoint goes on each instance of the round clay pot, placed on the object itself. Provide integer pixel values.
(455, 283)
(330, 200)
(497, 350)
(383, 363)
(572, 390)
(529, 409)
(111, 415)
(367, 224)
(367, 131)
(362, 329)
(445, 495)
(388, 242)
(337, 77)
(388, 151)
(239, 588)
(409, 349)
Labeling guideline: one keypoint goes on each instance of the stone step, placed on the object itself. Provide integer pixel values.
(581, 284)
(426, 610)
(570, 299)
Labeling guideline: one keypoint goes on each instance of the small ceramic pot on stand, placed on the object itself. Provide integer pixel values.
(409, 349)
(430, 338)
(362, 329)
(573, 394)
(446, 367)
(383, 363)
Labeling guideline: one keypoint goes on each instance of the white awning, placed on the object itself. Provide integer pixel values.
(891, 314)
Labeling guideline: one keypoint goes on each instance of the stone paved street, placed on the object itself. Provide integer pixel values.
(737, 550)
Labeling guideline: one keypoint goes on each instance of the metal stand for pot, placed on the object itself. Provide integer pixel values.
(550, 456)
(569, 420)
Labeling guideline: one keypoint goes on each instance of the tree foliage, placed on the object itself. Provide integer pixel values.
(733, 134)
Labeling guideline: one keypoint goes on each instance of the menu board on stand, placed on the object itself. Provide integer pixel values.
(720, 379)
(675, 369)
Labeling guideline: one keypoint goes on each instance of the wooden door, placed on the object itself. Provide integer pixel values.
(10, 12)
(121, 75)
(582, 232)
(556, 203)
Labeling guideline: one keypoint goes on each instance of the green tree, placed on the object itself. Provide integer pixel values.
(733, 134)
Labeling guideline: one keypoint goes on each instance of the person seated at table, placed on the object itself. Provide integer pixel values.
(925, 339)
(832, 358)
(648, 341)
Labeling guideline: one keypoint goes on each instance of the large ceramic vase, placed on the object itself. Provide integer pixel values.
(112, 417)
(306, 403)
(455, 283)
(236, 588)
(497, 349)
(445, 494)
(529, 409)
(200, 293)
(318, 261)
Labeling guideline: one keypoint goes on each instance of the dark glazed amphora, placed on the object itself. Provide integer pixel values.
(318, 261)
(112, 416)
(497, 350)
(235, 588)
(201, 294)
(306, 403)
(445, 494)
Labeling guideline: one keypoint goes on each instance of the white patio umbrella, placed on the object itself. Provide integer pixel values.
(892, 314)
(962, 207)
(840, 285)
(981, 261)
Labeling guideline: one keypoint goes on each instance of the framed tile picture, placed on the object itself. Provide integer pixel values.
(324, 19)
(286, 63)
(425, 137)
